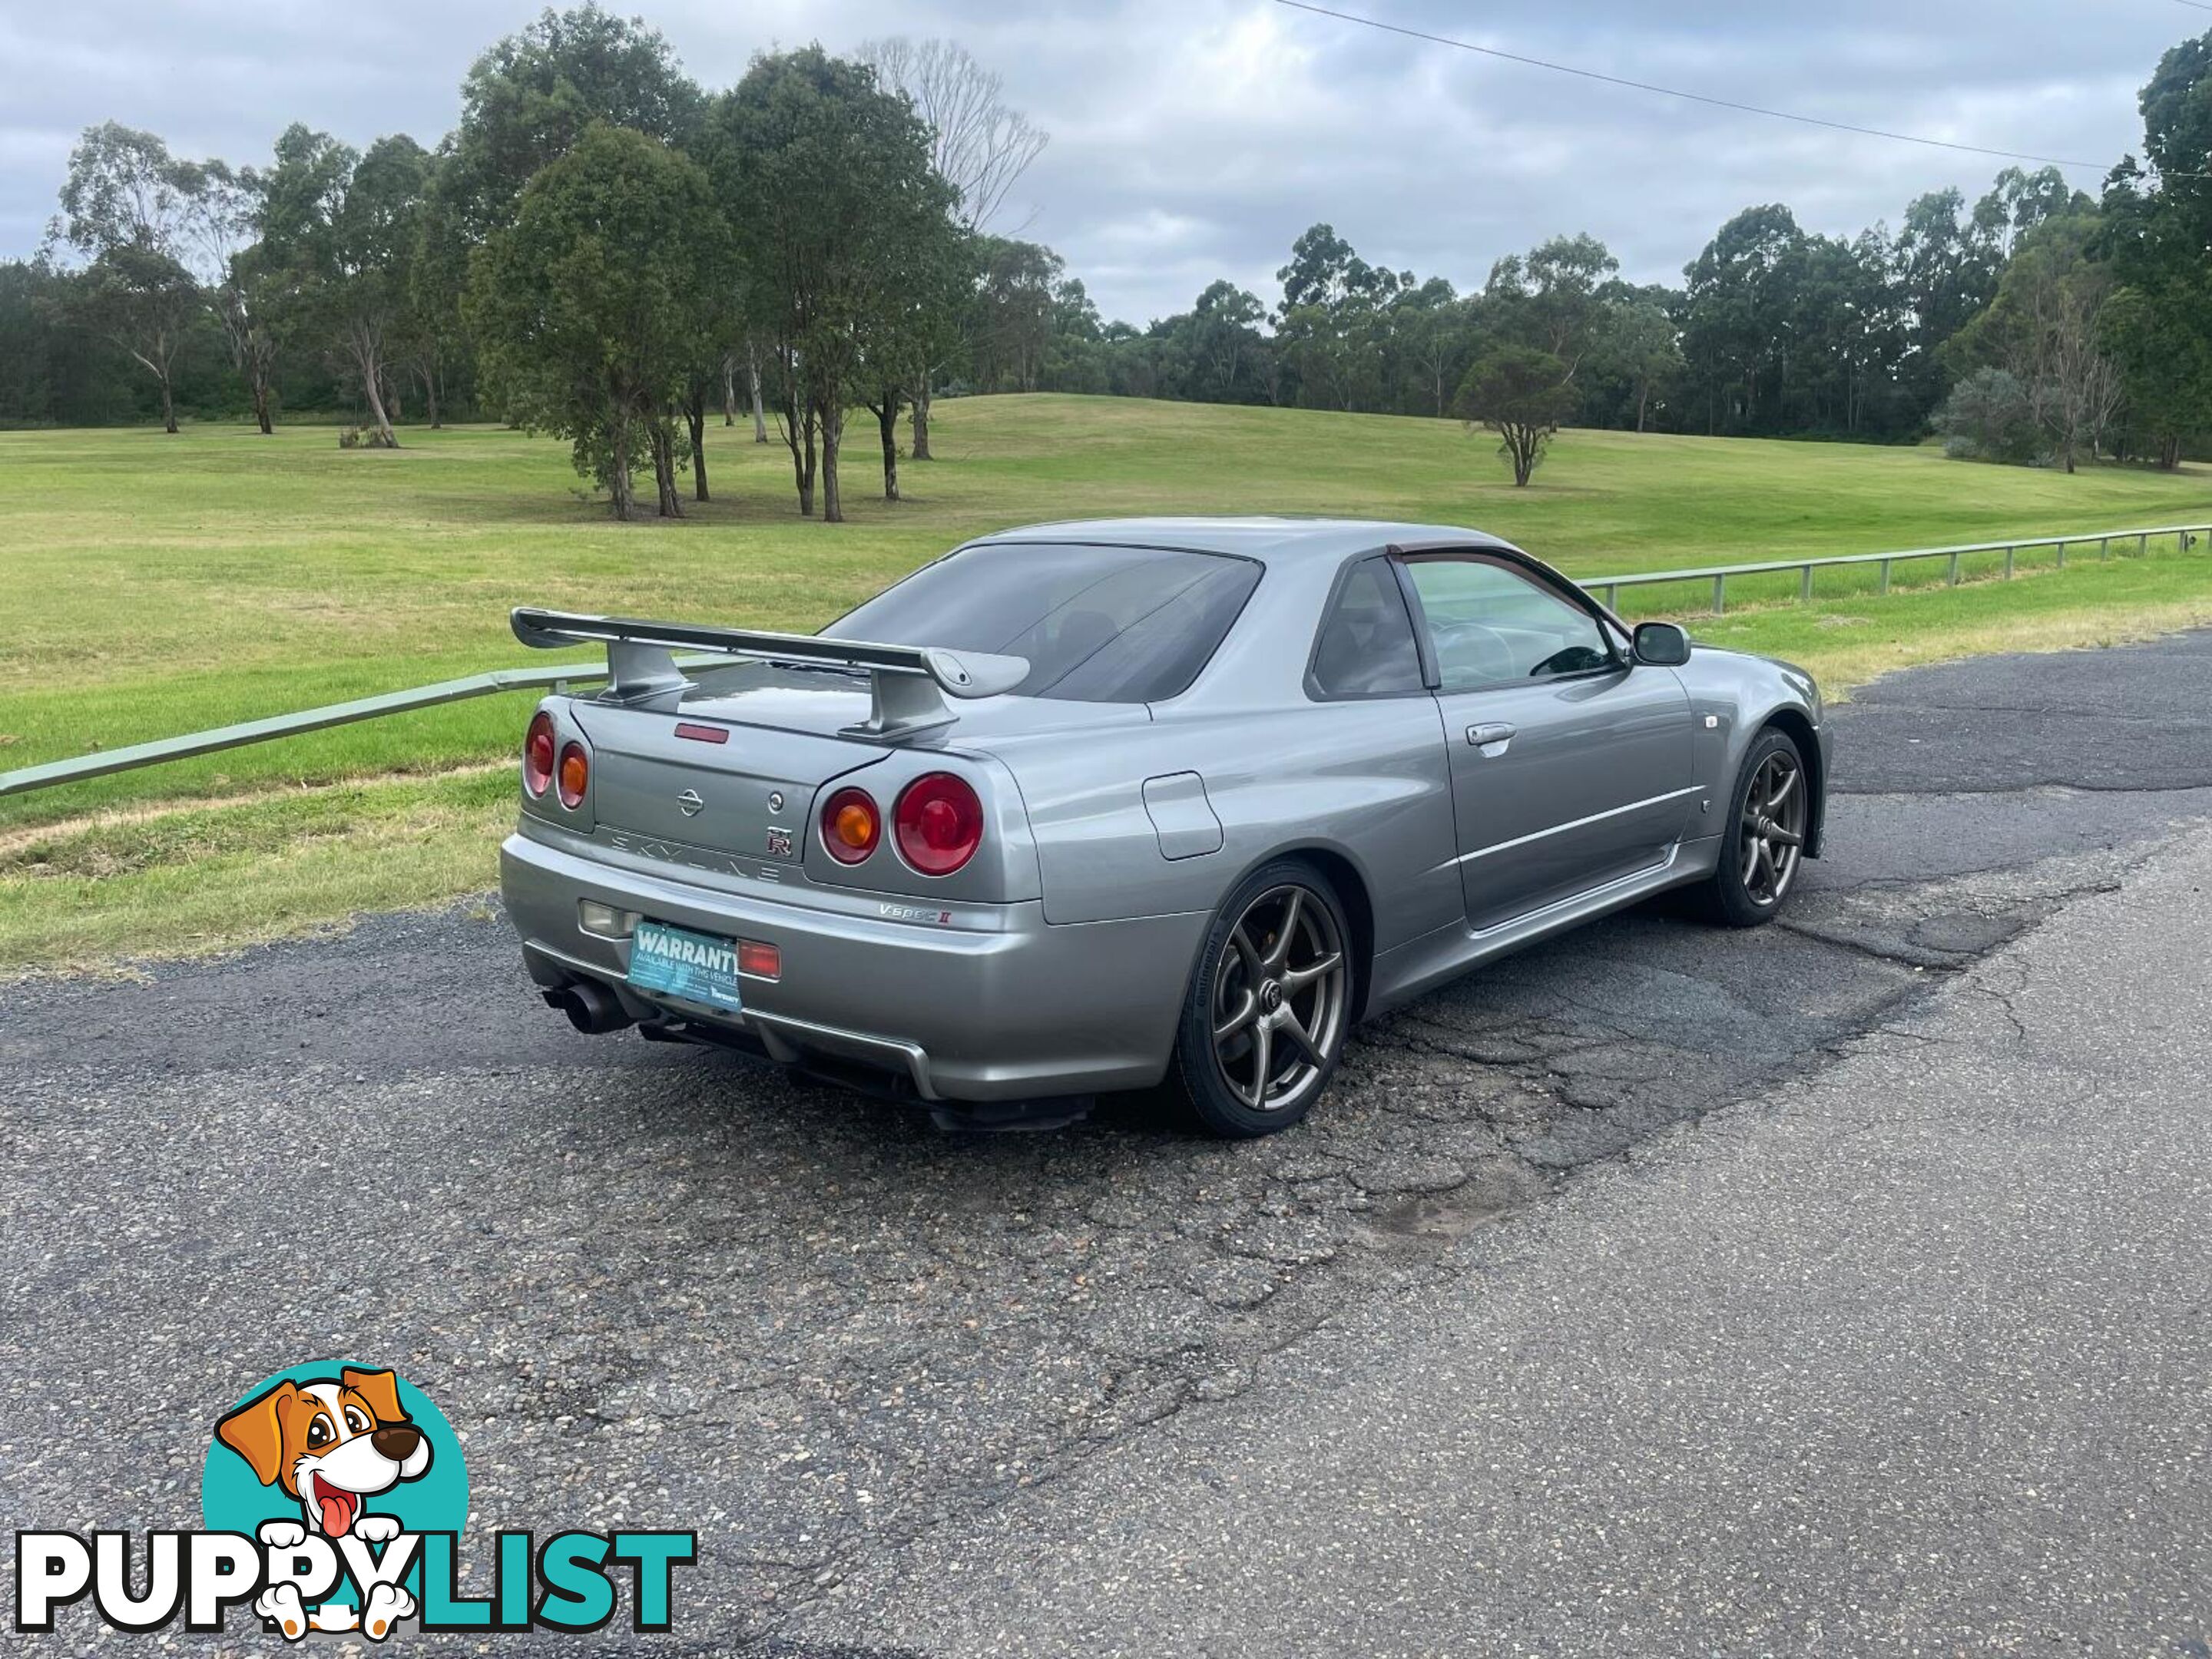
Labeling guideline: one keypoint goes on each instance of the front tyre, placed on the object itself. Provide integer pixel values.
(1763, 844)
(1264, 1021)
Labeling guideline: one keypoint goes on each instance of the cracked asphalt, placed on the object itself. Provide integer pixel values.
(666, 1288)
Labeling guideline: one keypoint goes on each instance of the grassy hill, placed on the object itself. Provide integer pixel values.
(160, 584)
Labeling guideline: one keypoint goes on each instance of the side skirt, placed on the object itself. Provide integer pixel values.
(1427, 963)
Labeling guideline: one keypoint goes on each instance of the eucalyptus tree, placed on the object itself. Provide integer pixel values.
(2045, 327)
(52, 374)
(1946, 269)
(828, 180)
(436, 339)
(979, 145)
(720, 320)
(1521, 393)
(1226, 345)
(342, 226)
(1013, 313)
(1740, 289)
(1434, 330)
(140, 216)
(2157, 236)
(1548, 299)
(588, 308)
(1640, 344)
(911, 329)
(2018, 201)
(530, 97)
(2157, 339)
(1333, 325)
(246, 295)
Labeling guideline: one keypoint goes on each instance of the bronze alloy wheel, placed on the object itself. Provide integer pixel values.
(1772, 827)
(1278, 1000)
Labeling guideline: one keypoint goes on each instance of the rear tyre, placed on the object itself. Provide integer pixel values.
(1763, 839)
(1264, 1021)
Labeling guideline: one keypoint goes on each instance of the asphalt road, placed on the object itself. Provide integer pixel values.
(1912, 1357)
(666, 1288)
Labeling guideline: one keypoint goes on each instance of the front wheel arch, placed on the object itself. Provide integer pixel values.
(1798, 727)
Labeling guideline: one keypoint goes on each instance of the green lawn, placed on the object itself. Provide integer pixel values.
(157, 585)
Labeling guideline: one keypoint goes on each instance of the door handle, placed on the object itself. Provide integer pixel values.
(1497, 731)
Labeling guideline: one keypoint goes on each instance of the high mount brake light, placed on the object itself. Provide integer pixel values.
(938, 823)
(851, 826)
(538, 754)
(575, 775)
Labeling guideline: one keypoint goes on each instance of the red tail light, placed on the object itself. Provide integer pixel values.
(851, 826)
(538, 754)
(575, 775)
(939, 824)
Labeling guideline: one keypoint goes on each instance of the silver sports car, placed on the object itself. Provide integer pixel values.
(1109, 805)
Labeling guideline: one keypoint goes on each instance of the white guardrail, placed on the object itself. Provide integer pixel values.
(108, 761)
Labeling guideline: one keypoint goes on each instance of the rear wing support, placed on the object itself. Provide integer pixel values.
(906, 683)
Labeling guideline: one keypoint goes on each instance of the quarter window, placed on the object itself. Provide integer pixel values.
(1366, 647)
(1491, 625)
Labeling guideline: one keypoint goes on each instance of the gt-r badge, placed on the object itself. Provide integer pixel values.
(691, 803)
(779, 843)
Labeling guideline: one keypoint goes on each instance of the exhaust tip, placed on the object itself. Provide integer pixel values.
(591, 1008)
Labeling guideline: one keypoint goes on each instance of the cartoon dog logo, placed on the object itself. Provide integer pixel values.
(332, 1444)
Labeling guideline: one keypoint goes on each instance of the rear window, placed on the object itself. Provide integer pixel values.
(1098, 624)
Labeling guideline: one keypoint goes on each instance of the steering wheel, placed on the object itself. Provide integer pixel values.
(1571, 659)
(1474, 652)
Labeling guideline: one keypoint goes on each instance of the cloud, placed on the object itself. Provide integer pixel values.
(1196, 139)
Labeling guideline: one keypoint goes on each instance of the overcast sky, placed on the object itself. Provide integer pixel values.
(1196, 138)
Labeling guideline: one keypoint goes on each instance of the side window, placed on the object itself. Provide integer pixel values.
(1491, 625)
(1366, 646)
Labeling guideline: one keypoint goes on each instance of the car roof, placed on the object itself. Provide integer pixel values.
(1266, 537)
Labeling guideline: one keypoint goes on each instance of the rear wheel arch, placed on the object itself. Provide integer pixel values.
(1274, 990)
(1351, 887)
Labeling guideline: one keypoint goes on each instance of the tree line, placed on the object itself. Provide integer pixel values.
(2037, 324)
(604, 250)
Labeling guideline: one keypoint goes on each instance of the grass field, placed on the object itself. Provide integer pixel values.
(159, 585)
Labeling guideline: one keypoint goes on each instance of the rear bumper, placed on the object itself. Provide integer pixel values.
(992, 1003)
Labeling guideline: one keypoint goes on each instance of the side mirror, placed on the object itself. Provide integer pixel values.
(1661, 645)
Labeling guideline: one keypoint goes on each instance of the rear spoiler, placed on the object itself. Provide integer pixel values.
(906, 683)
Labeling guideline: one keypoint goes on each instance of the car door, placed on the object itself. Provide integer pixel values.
(1571, 768)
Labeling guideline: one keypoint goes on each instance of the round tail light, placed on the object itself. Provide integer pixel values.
(939, 824)
(575, 775)
(851, 826)
(538, 754)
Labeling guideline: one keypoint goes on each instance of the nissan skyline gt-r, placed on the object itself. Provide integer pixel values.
(1108, 805)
